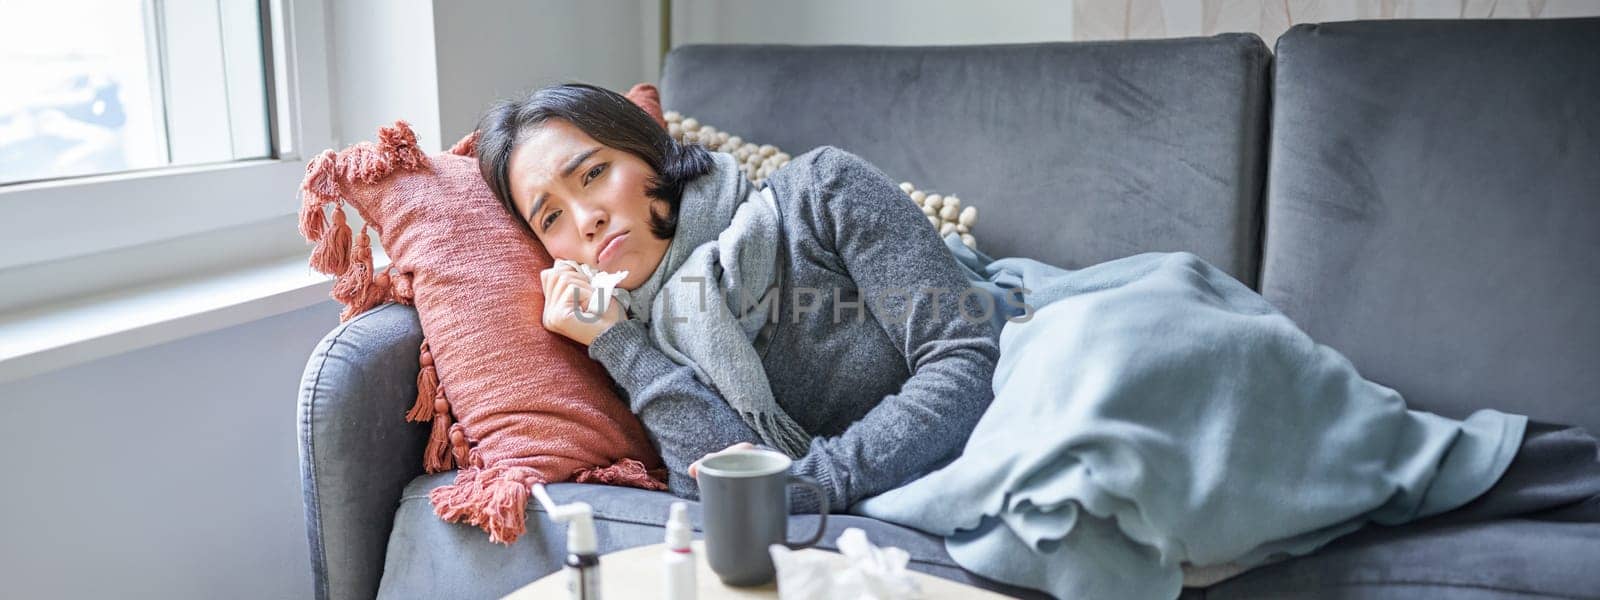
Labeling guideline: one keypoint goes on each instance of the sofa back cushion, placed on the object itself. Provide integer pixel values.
(1433, 208)
(1076, 152)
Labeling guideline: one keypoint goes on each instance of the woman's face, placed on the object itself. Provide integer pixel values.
(586, 202)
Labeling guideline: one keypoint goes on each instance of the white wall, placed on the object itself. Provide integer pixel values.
(169, 472)
(487, 50)
(440, 64)
(493, 49)
(381, 68)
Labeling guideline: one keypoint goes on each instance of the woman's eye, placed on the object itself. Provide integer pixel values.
(594, 172)
(549, 218)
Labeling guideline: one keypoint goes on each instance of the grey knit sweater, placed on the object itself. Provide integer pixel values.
(871, 353)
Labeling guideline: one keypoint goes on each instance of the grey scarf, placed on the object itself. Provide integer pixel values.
(723, 259)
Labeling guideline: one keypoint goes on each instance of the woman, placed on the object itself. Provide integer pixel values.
(865, 348)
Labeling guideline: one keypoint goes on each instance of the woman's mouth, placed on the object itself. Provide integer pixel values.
(610, 249)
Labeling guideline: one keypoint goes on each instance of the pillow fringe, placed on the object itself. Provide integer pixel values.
(447, 441)
(436, 458)
(467, 146)
(396, 149)
(358, 288)
(402, 291)
(319, 189)
(332, 254)
(398, 144)
(493, 499)
(427, 386)
(626, 471)
(462, 449)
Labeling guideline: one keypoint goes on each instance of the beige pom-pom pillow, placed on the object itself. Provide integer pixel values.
(757, 161)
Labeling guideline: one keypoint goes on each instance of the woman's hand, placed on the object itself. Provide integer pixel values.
(566, 293)
(694, 467)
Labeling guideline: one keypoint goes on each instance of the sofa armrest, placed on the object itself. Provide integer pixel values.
(357, 452)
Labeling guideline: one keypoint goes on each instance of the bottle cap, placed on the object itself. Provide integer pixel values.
(579, 517)
(679, 535)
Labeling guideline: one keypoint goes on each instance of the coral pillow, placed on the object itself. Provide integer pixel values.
(510, 403)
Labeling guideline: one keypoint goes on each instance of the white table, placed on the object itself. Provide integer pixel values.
(636, 573)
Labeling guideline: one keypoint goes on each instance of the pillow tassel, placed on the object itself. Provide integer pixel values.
(436, 458)
(507, 504)
(364, 163)
(381, 290)
(402, 291)
(319, 189)
(626, 471)
(493, 499)
(453, 502)
(396, 149)
(427, 386)
(461, 448)
(468, 146)
(332, 254)
(357, 289)
(399, 146)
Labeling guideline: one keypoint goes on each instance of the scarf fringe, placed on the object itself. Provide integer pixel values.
(727, 224)
(784, 434)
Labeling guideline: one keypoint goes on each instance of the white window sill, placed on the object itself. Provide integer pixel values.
(69, 333)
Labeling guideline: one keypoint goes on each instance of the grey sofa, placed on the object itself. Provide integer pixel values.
(1423, 196)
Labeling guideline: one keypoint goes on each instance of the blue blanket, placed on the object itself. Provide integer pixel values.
(1153, 414)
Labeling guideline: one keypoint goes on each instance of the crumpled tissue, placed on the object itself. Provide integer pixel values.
(604, 285)
(867, 572)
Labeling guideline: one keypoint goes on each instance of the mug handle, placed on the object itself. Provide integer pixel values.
(822, 496)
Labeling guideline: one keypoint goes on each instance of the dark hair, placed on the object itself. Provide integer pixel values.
(608, 117)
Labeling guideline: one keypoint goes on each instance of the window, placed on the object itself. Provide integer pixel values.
(106, 86)
(216, 100)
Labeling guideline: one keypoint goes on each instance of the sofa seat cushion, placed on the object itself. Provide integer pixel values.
(1492, 559)
(430, 558)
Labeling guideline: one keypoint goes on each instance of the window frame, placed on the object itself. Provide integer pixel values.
(78, 218)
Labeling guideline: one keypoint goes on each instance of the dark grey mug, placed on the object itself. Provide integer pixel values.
(744, 504)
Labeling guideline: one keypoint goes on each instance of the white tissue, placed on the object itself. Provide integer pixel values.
(604, 285)
(866, 572)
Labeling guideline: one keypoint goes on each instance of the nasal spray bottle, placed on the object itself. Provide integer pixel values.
(678, 566)
(583, 561)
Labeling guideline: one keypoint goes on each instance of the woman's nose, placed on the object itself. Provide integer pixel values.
(592, 222)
